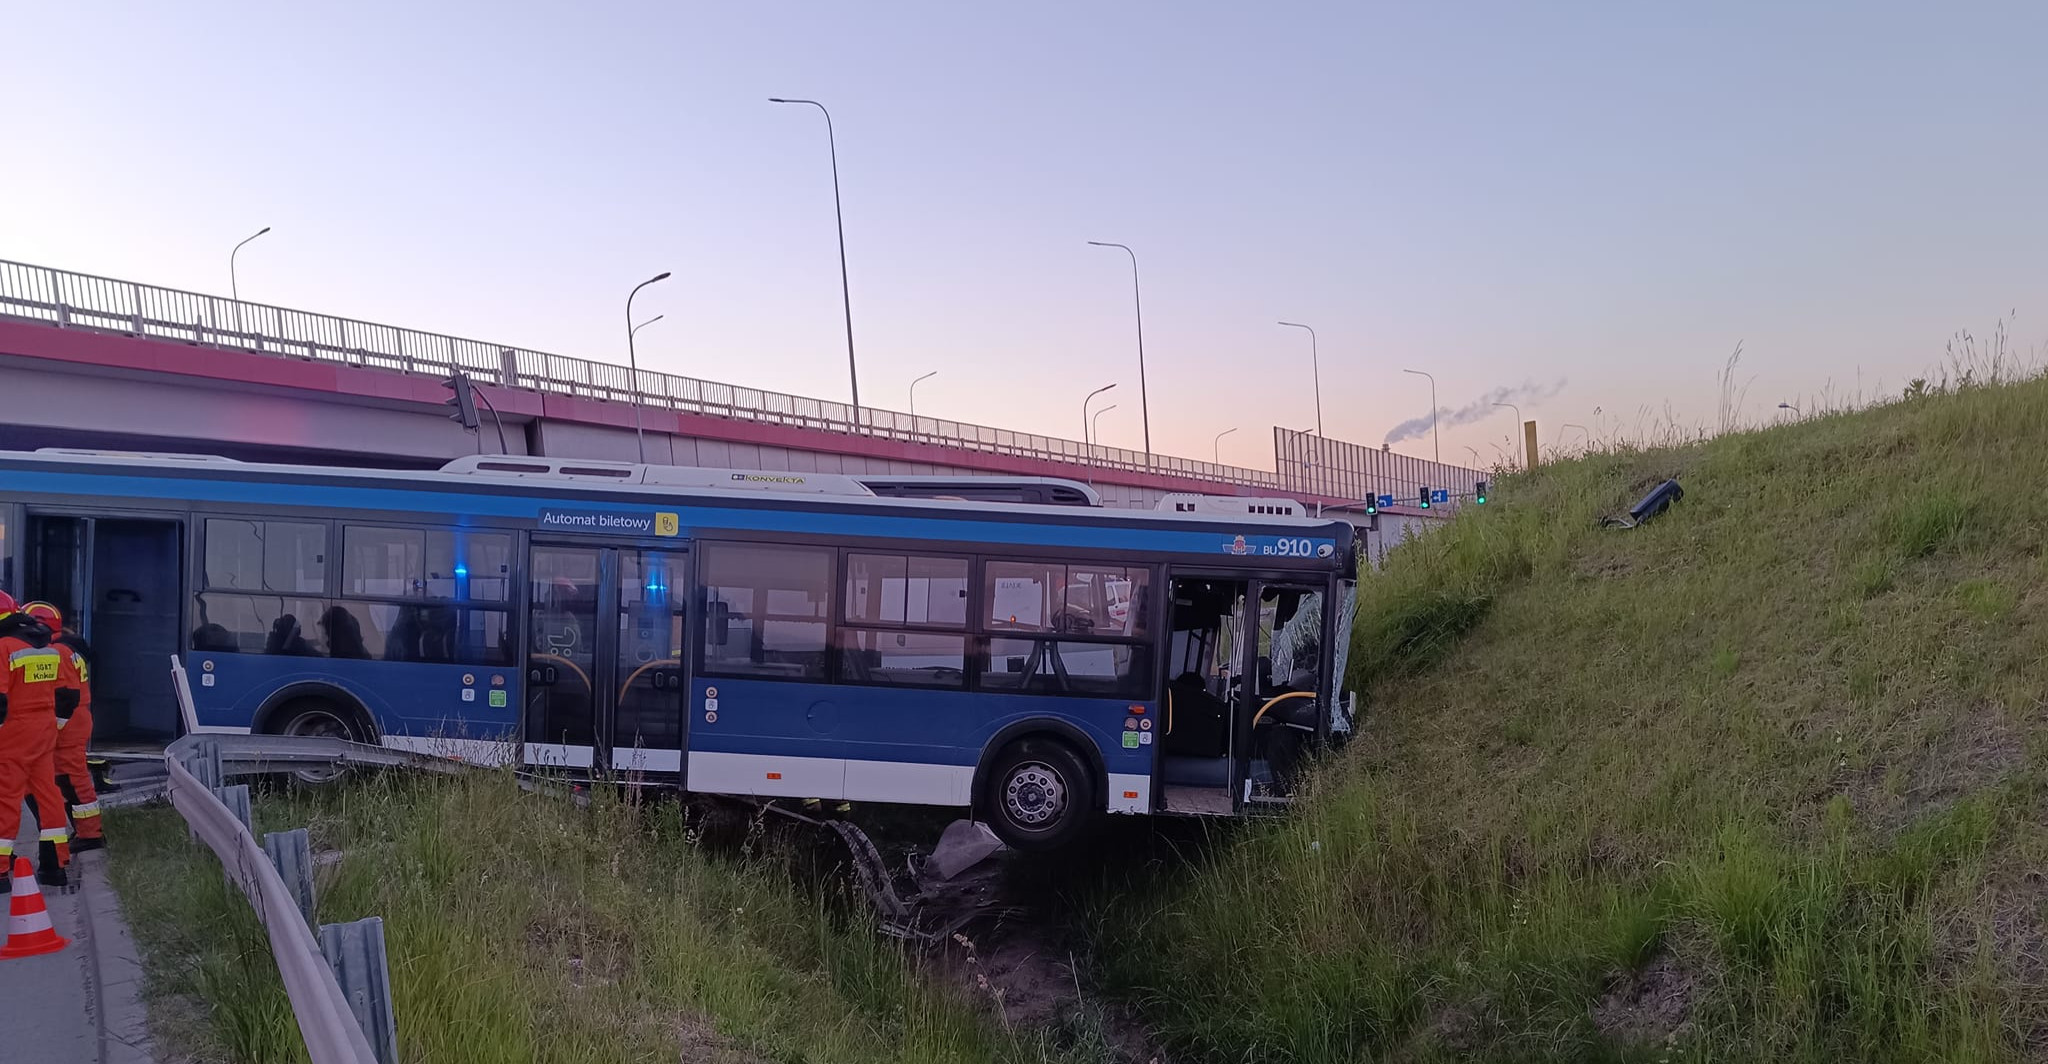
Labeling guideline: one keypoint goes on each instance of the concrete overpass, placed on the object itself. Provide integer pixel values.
(97, 362)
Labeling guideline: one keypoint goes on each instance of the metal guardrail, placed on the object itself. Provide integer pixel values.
(77, 300)
(339, 983)
(326, 1022)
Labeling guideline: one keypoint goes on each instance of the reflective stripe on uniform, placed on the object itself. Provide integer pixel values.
(55, 835)
(37, 664)
(91, 808)
(6, 848)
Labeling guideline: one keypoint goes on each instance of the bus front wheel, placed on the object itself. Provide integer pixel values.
(1038, 794)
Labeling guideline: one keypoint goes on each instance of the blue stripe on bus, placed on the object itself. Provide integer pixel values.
(698, 518)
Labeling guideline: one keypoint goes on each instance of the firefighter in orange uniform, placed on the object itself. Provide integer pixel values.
(33, 700)
(74, 779)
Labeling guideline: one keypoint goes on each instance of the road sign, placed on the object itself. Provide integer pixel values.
(1440, 495)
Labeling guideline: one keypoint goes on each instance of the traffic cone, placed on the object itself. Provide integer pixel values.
(29, 933)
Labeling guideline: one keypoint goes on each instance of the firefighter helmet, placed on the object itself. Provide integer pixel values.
(52, 618)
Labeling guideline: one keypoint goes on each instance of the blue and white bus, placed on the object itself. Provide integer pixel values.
(732, 632)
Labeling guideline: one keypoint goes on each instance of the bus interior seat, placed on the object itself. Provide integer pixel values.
(1201, 721)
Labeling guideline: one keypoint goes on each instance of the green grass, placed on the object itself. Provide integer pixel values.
(1776, 752)
(522, 929)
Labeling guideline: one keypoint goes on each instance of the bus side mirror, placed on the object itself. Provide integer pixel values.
(721, 624)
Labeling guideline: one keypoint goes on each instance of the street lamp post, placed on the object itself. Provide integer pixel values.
(1518, 418)
(1436, 437)
(1137, 303)
(1216, 445)
(235, 282)
(633, 359)
(1096, 421)
(635, 330)
(839, 215)
(1315, 362)
(913, 395)
(1085, 422)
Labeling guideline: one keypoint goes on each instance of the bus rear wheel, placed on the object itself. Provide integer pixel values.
(318, 717)
(1038, 794)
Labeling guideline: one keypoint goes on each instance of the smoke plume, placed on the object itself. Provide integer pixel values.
(1528, 392)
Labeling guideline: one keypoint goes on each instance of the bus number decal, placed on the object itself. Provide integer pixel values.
(1281, 546)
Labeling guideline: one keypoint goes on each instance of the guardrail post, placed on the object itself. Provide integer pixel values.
(203, 762)
(292, 854)
(356, 953)
(236, 798)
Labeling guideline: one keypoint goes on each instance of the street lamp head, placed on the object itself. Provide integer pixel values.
(263, 230)
(777, 99)
(662, 276)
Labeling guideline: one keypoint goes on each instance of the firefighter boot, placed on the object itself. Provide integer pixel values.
(50, 862)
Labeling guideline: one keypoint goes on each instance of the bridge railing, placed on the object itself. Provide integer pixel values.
(77, 300)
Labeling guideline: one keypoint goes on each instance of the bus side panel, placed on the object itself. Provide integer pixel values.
(452, 710)
(888, 744)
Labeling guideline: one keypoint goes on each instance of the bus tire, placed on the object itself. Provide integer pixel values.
(323, 717)
(1038, 794)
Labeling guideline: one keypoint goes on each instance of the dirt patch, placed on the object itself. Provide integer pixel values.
(1648, 1006)
(1032, 983)
(2005, 924)
(1978, 750)
(700, 1043)
(1463, 1027)
(583, 951)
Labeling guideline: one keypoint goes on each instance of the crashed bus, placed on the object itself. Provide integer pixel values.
(725, 632)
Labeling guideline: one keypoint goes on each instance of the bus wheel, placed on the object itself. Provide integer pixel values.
(1038, 794)
(324, 719)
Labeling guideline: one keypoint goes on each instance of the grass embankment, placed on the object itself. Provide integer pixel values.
(523, 929)
(1760, 780)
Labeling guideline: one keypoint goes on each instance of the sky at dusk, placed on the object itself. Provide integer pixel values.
(1587, 205)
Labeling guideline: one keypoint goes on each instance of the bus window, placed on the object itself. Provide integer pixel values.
(1067, 667)
(907, 590)
(286, 557)
(1081, 599)
(767, 607)
(436, 563)
(258, 624)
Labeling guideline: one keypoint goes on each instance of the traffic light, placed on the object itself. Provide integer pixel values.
(1372, 503)
(464, 400)
(1479, 493)
(1424, 498)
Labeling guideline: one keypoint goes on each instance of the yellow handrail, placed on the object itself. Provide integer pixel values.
(1276, 700)
(656, 663)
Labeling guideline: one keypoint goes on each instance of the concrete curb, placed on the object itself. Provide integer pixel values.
(111, 966)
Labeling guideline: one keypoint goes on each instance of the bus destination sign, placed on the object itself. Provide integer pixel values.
(611, 522)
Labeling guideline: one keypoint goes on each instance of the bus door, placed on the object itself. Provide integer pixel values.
(118, 581)
(605, 669)
(1284, 698)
